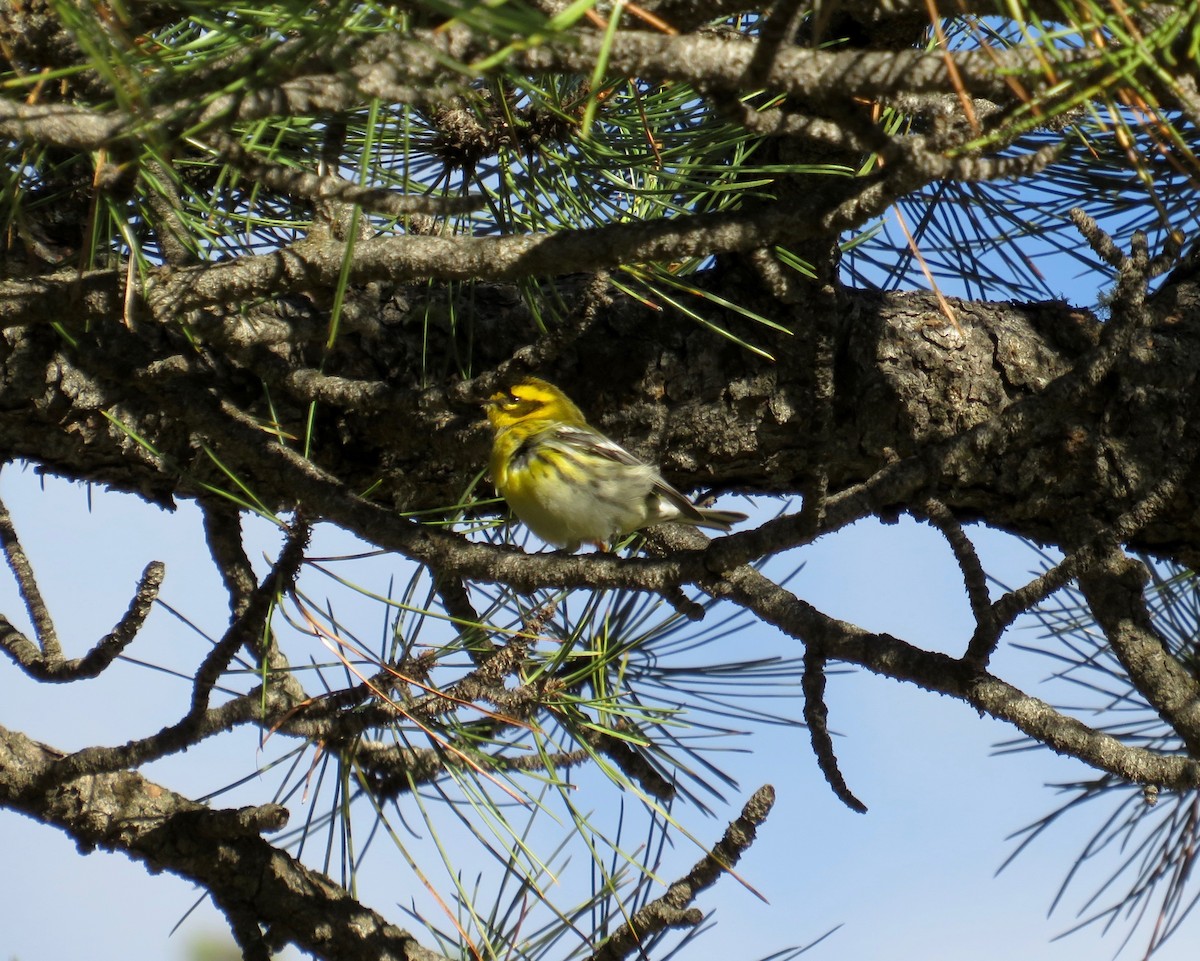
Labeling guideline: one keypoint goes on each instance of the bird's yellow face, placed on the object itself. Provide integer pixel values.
(531, 399)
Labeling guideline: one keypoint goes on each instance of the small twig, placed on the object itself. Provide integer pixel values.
(43, 624)
(247, 629)
(233, 822)
(685, 606)
(391, 770)
(631, 762)
(55, 668)
(671, 910)
(669, 539)
(1115, 592)
(255, 706)
(970, 169)
(223, 532)
(983, 641)
(457, 602)
(331, 189)
(1169, 256)
(781, 282)
(816, 715)
(1011, 605)
(844, 134)
(113, 643)
(1098, 239)
(488, 681)
(173, 235)
(247, 931)
(781, 24)
(329, 214)
(974, 577)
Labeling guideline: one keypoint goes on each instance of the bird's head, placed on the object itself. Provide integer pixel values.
(531, 399)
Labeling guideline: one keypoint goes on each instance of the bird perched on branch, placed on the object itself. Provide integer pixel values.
(569, 483)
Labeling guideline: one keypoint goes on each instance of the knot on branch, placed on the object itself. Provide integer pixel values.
(227, 823)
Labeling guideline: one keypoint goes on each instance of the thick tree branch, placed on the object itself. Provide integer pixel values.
(899, 324)
(887, 656)
(1113, 588)
(808, 75)
(124, 812)
(312, 265)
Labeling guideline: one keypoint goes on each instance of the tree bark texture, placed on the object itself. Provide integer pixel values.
(714, 416)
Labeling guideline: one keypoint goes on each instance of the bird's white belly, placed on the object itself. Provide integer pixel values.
(567, 511)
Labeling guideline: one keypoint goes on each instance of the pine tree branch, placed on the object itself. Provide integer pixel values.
(672, 909)
(247, 876)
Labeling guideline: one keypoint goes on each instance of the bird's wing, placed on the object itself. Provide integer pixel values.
(593, 442)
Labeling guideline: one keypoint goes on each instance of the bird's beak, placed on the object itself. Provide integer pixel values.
(495, 400)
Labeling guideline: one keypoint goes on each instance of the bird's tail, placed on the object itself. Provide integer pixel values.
(713, 519)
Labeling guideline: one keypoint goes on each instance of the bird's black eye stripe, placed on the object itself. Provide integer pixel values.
(523, 405)
(522, 455)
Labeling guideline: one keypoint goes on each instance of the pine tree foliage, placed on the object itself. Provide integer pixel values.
(269, 260)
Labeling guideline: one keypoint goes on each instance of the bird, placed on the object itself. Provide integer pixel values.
(570, 484)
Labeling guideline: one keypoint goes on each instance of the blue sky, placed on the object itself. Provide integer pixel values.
(914, 877)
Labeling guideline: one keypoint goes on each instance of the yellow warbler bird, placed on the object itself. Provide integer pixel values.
(568, 482)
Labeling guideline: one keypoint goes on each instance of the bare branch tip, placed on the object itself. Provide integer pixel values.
(759, 805)
(1098, 239)
(815, 716)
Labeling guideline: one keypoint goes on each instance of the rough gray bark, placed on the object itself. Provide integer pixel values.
(713, 415)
